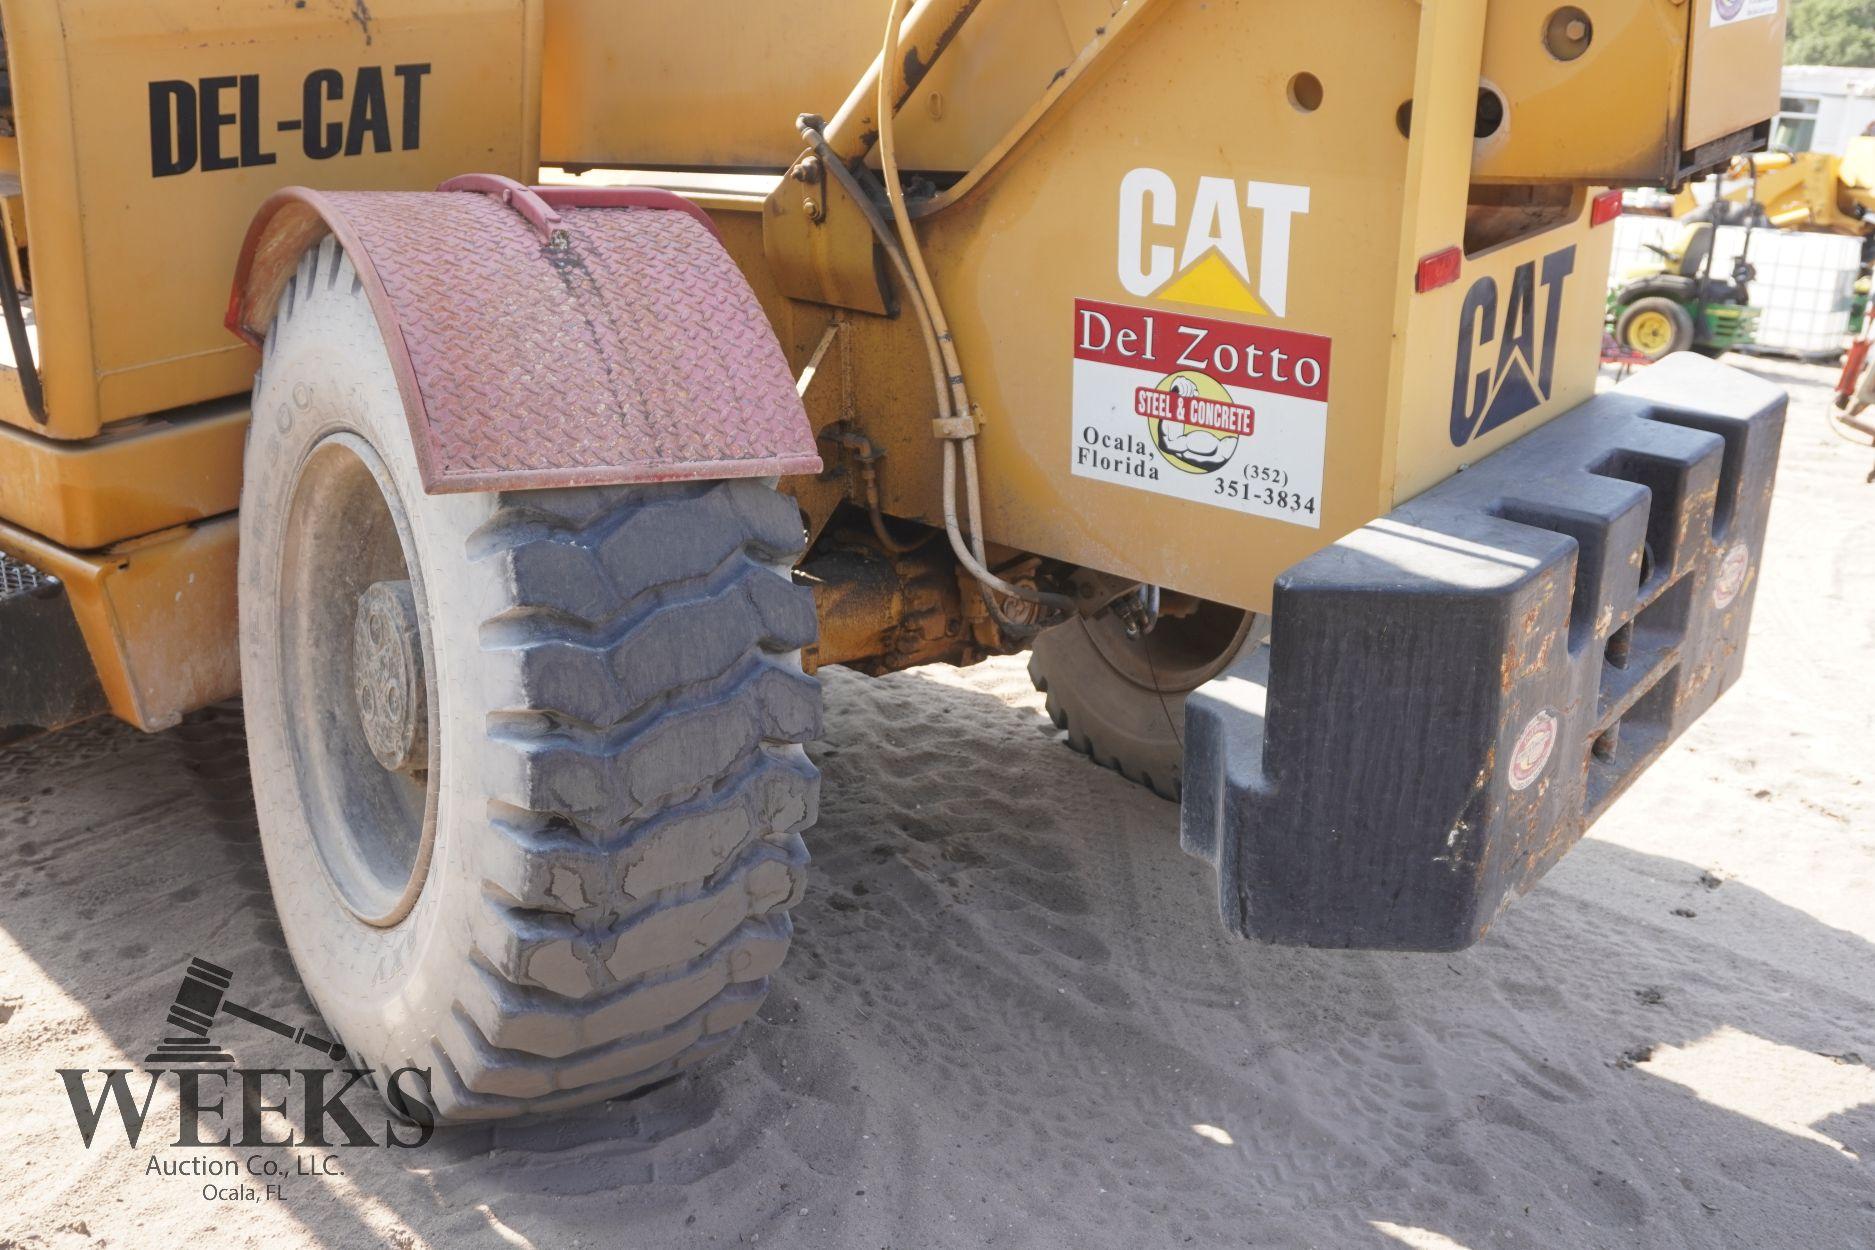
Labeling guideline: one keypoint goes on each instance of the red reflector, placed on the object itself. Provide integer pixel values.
(1605, 207)
(1437, 270)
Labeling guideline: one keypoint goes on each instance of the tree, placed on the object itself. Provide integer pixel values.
(1831, 32)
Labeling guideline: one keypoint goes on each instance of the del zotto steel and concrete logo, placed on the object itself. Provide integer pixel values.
(219, 1104)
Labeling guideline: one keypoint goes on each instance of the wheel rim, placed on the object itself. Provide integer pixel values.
(1650, 332)
(1180, 654)
(357, 679)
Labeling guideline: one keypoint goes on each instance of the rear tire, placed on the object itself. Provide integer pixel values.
(1122, 700)
(569, 874)
(1655, 327)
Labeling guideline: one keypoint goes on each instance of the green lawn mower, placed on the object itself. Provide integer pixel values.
(1677, 305)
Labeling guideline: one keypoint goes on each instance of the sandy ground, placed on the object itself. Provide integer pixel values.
(1010, 1017)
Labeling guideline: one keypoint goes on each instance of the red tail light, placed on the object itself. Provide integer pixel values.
(1437, 270)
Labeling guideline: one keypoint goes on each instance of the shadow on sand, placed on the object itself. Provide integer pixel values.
(1011, 1018)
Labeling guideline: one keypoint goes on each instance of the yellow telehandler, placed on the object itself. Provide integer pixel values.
(515, 402)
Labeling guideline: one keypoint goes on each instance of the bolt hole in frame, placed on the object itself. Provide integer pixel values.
(1487, 120)
(1567, 33)
(1305, 92)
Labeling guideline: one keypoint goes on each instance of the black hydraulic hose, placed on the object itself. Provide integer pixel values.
(22, 345)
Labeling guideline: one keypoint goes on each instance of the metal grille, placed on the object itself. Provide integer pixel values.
(19, 578)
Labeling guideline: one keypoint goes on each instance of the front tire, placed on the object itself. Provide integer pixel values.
(526, 764)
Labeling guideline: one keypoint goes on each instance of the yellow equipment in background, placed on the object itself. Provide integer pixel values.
(1803, 190)
(1243, 368)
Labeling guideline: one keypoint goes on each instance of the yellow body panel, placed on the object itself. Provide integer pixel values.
(1726, 88)
(703, 83)
(1656, 81)
(1040, 230)
(157, 614)
(137, 477)
(1613, 114)
(1198, 95)
(150, 133)
(663, 97)
(133, 219)
(1044, 228)
(1253, 170)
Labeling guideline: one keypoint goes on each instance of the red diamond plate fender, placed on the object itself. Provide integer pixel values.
(549, 337)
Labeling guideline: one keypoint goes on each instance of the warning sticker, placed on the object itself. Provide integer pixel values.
(1213, 411)
(1725, 12)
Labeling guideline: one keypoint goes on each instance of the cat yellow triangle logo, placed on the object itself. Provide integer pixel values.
(1213, 281)
(1196, 249)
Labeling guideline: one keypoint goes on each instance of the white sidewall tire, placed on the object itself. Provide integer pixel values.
(375, 986)
(618, 786)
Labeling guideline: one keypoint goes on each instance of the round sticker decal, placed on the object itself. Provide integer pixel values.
(1533, 749)
(1731, 578)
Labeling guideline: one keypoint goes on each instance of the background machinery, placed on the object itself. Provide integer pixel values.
(1678, 305)
(1793, 191)
(600, 369)
(1811, 191)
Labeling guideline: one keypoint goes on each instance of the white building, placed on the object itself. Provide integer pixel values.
(1823, 107)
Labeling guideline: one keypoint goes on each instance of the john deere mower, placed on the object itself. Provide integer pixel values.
(1677, 304)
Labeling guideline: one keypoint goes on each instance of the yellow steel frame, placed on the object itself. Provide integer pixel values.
(1035, 111)
(157, 614)
(136, 478)
(1029, 121)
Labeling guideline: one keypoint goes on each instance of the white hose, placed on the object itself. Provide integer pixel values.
(910, 263)
(947, 373)
(895, 195)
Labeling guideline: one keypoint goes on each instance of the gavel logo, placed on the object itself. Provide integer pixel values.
(203, 996)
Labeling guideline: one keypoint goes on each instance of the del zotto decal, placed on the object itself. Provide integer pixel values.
(1190, 244)
(1725, 12)
(1212, 411)
(216, 123)
(1731, 576)
(1533, 749)
(1523, 325)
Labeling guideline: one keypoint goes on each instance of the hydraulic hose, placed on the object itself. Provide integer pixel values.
(911, 265)
(809, 128)
(895, 196)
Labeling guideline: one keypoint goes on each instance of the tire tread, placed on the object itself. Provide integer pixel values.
(649, 792)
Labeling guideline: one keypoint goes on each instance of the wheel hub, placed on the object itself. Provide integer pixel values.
(355, 668)
(1182, 651)
(387, 677)
(1650, 332)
